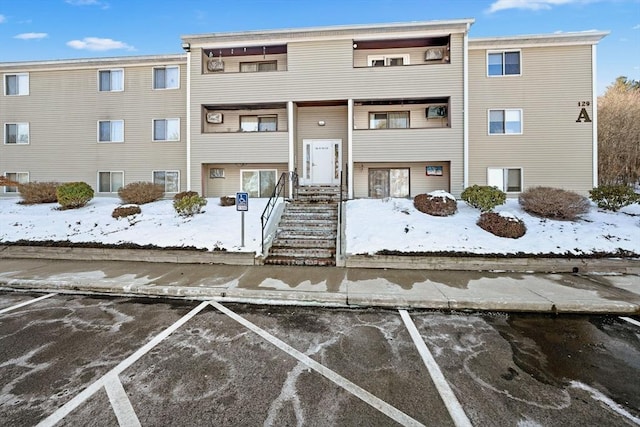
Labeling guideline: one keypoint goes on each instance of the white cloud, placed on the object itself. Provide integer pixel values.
(3, 19)
(31, 36)
(528, 4)
(98, 44)
(636, 27)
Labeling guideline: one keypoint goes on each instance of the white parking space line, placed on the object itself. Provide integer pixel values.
(630, 320)
(81, 397)
(337, 379)
(448, 397)
(25, 303)
(120, 402)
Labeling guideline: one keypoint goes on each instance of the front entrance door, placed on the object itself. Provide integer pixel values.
(322, 159)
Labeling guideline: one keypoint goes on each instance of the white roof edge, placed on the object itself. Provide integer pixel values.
(580, 37)
(97, 61)
(328, 29)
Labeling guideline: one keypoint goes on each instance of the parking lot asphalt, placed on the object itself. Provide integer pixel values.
(332, 286)
(90, 360)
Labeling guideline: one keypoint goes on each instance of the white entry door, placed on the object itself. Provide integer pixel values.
(322, 159)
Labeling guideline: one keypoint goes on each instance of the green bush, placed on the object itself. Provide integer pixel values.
(124, 211)
(614, 197)
(502, 225)
(72, 195)
(189, 205)
(184, 194)
(554, 203)
(139, 193)
(483, 197)
(38, 192)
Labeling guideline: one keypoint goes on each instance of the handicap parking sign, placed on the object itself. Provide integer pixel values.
(242, 202)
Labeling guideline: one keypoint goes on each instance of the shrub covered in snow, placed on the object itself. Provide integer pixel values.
(72, 195)
(554, 203)
(140, 193)
(614, 197)
(483, 197)
(436, 203)
(502, 224)
(124, 211)
(189, 205)
(38, 192)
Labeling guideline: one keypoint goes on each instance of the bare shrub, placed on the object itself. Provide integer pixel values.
(227, 201)
(140, 193)
(38, 192)
(554, 203)
(184, 194)
(124, 211)
(438, 203)
(502, 225)
(619, 133)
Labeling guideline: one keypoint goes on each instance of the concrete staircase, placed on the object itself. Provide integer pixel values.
(308, 229)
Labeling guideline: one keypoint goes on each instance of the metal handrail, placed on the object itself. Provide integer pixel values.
(277, 193)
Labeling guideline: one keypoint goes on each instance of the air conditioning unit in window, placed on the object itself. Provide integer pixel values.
(434, 54)
(437, 112)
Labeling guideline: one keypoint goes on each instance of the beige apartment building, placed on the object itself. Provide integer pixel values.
(390, 110)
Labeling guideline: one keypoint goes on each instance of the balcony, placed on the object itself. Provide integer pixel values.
(247, 59)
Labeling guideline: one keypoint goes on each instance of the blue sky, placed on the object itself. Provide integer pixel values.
(60, 29)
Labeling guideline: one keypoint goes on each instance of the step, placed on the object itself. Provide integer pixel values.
(302, 252)
(285, 260)
(302, 222)
(303, 242)
(316, 234)
(328, 214)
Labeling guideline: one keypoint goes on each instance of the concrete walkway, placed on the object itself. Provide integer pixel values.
(331, 286)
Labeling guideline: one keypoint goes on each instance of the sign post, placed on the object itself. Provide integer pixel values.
(242, 205)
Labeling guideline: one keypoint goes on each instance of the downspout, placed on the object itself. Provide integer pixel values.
(290, 135)
(189, 121)
(465, 110)
(350, 148)
(594, 127)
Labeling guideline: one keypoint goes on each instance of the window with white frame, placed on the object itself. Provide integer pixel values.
(19, 177)
(166, 77)
(111, 80)
(387, 60)
(259, 123)
(110, 181)
(258, 183)
(250, 67)
(388, 183)
(506, 179)
(16, 133)
(16, 84)
(505, 63)
(166, 130)
(170, 180)
(505, 122)
(389, 120)
(111, 131)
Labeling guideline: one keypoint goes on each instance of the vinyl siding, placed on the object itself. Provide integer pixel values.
(419, 182)
(63, 110)
(553, 149)
(335, 127)
(231, 183)
(232, 64)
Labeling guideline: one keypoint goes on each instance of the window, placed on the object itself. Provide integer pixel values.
(505, 179)
(503, 63)
(505, 122)
(389, 120)
(166, 130)
(111, 131)
(248, 67)
(110, 182)
(16, 133)
(258, 123)
(259, 183)
(19, 177)
(16, 84)
(111, 80)
(387, 60)
(170, 180)
(166, 78)
(388, 183)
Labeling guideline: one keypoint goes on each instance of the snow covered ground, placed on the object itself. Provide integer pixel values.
(372, 225)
